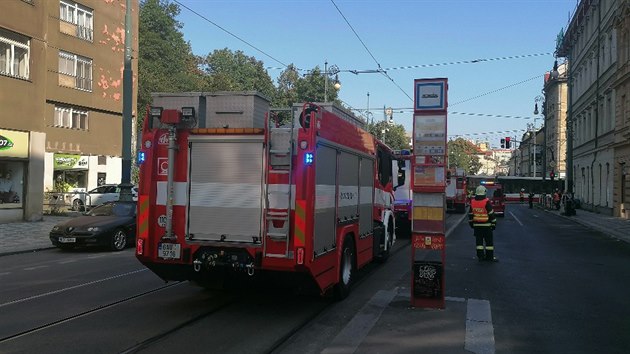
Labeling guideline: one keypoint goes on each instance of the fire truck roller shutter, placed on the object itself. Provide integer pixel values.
(325, 186)
(348, 196)
(226, 183)
(366, 196)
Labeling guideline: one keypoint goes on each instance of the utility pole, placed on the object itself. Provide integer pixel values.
(125, 185)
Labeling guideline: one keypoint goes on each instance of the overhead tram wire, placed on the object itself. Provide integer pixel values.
(380, 70)
(497, 90)
(474, 61)
(230, 33)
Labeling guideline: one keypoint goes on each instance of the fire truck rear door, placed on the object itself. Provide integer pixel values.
(226, 188)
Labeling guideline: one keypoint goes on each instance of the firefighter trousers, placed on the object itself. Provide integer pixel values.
(484, 243)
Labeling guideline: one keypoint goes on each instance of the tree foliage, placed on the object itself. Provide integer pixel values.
(165, 60)
(392, 135)
(463, 154)
(234, 71)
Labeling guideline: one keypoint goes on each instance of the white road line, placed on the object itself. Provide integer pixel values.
(479, 328)
(515, 218)
(5, 273)
(70, 288)
(35, 267)
(67, 261)
(349, 339)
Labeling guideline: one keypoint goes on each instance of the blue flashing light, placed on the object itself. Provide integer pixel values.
(308, 158)
(141, 157)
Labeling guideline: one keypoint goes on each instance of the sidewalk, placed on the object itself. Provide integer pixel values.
(18, 237)
(611, 226)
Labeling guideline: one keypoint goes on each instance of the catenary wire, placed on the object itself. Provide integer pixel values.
(230, 33)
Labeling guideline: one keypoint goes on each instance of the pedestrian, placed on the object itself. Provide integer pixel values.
(531, 200)
(556, 199)
(482, 219)
(522, 195)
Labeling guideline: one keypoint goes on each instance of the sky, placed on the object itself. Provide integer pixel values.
(494, 53)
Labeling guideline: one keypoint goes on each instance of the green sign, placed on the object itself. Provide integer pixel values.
(5, 143)
(70, 162)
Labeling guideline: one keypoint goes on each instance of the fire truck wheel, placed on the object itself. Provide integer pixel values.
(346, 269)
(119, 240)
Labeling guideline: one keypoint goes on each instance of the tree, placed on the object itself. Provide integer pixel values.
(463, 154)
(392, 135)
(165, 60)
(234, 71)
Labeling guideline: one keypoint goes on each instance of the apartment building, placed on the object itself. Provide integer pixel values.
(621, 86)
(61, 65)
(590, 45)
(555, 112)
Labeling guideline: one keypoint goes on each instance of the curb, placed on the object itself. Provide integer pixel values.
(10, 253)
(577, 220)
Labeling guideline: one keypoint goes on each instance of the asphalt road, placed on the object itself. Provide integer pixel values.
(558, 288)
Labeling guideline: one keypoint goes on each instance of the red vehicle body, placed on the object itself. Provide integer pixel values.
(456, 192)
(496, 196)
(228, 196)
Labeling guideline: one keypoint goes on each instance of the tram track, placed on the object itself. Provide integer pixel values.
(82, 313)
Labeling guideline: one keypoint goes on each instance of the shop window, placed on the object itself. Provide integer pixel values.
(11, 185)
(14, 54)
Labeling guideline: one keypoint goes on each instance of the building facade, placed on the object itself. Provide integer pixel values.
(555, 112)
(61, 65)
(590, 46)
(621, 87)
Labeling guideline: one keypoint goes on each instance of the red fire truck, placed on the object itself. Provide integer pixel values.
(224, 194)
(456, 193)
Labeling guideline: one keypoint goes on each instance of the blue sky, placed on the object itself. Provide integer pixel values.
(513, 39)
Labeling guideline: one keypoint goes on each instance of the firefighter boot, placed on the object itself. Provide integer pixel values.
(490, 256)
(481, 255)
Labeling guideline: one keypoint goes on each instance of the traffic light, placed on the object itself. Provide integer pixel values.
(502, 143)
(507, 142)
(552, 175)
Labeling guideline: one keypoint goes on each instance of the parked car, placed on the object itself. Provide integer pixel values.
(112, 224)
(99, 195)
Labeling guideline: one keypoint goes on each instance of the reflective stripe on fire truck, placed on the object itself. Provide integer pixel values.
(300, 223)
(143, 222)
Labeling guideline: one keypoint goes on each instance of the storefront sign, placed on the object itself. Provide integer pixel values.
(13, 144)
(70, 162)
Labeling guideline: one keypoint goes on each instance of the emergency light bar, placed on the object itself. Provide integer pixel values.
(487, 183)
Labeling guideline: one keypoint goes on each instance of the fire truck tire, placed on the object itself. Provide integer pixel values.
(119, 240)
(346, 269)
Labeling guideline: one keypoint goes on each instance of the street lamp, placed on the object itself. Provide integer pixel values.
(540, 99)
(329, 72)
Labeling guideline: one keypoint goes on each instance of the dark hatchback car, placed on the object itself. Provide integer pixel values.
(112, 224)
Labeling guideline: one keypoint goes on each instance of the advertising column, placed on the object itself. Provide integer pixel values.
(428, 182)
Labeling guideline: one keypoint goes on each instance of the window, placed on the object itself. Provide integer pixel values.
(78, 67)
(67, 117)
(78, 15)
(14, 54)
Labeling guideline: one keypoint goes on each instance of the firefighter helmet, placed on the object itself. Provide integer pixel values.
(481, 190)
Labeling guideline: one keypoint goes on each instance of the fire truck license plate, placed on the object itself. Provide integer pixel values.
(169, 250)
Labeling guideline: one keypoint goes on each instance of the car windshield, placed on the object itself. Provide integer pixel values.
(113, 209)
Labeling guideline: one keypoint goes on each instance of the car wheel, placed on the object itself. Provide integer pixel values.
(119, 240)
(77, 205)
(346, 269)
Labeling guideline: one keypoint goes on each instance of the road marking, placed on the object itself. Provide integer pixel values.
(68, 261)
(5, 273)
(479, 328)
(35, 267)
(515, 218)
(349, 339)
(72, 287)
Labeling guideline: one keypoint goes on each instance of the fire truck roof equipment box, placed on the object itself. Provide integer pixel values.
(222, 109)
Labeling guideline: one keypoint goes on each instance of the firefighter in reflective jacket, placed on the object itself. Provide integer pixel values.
(482, 219)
